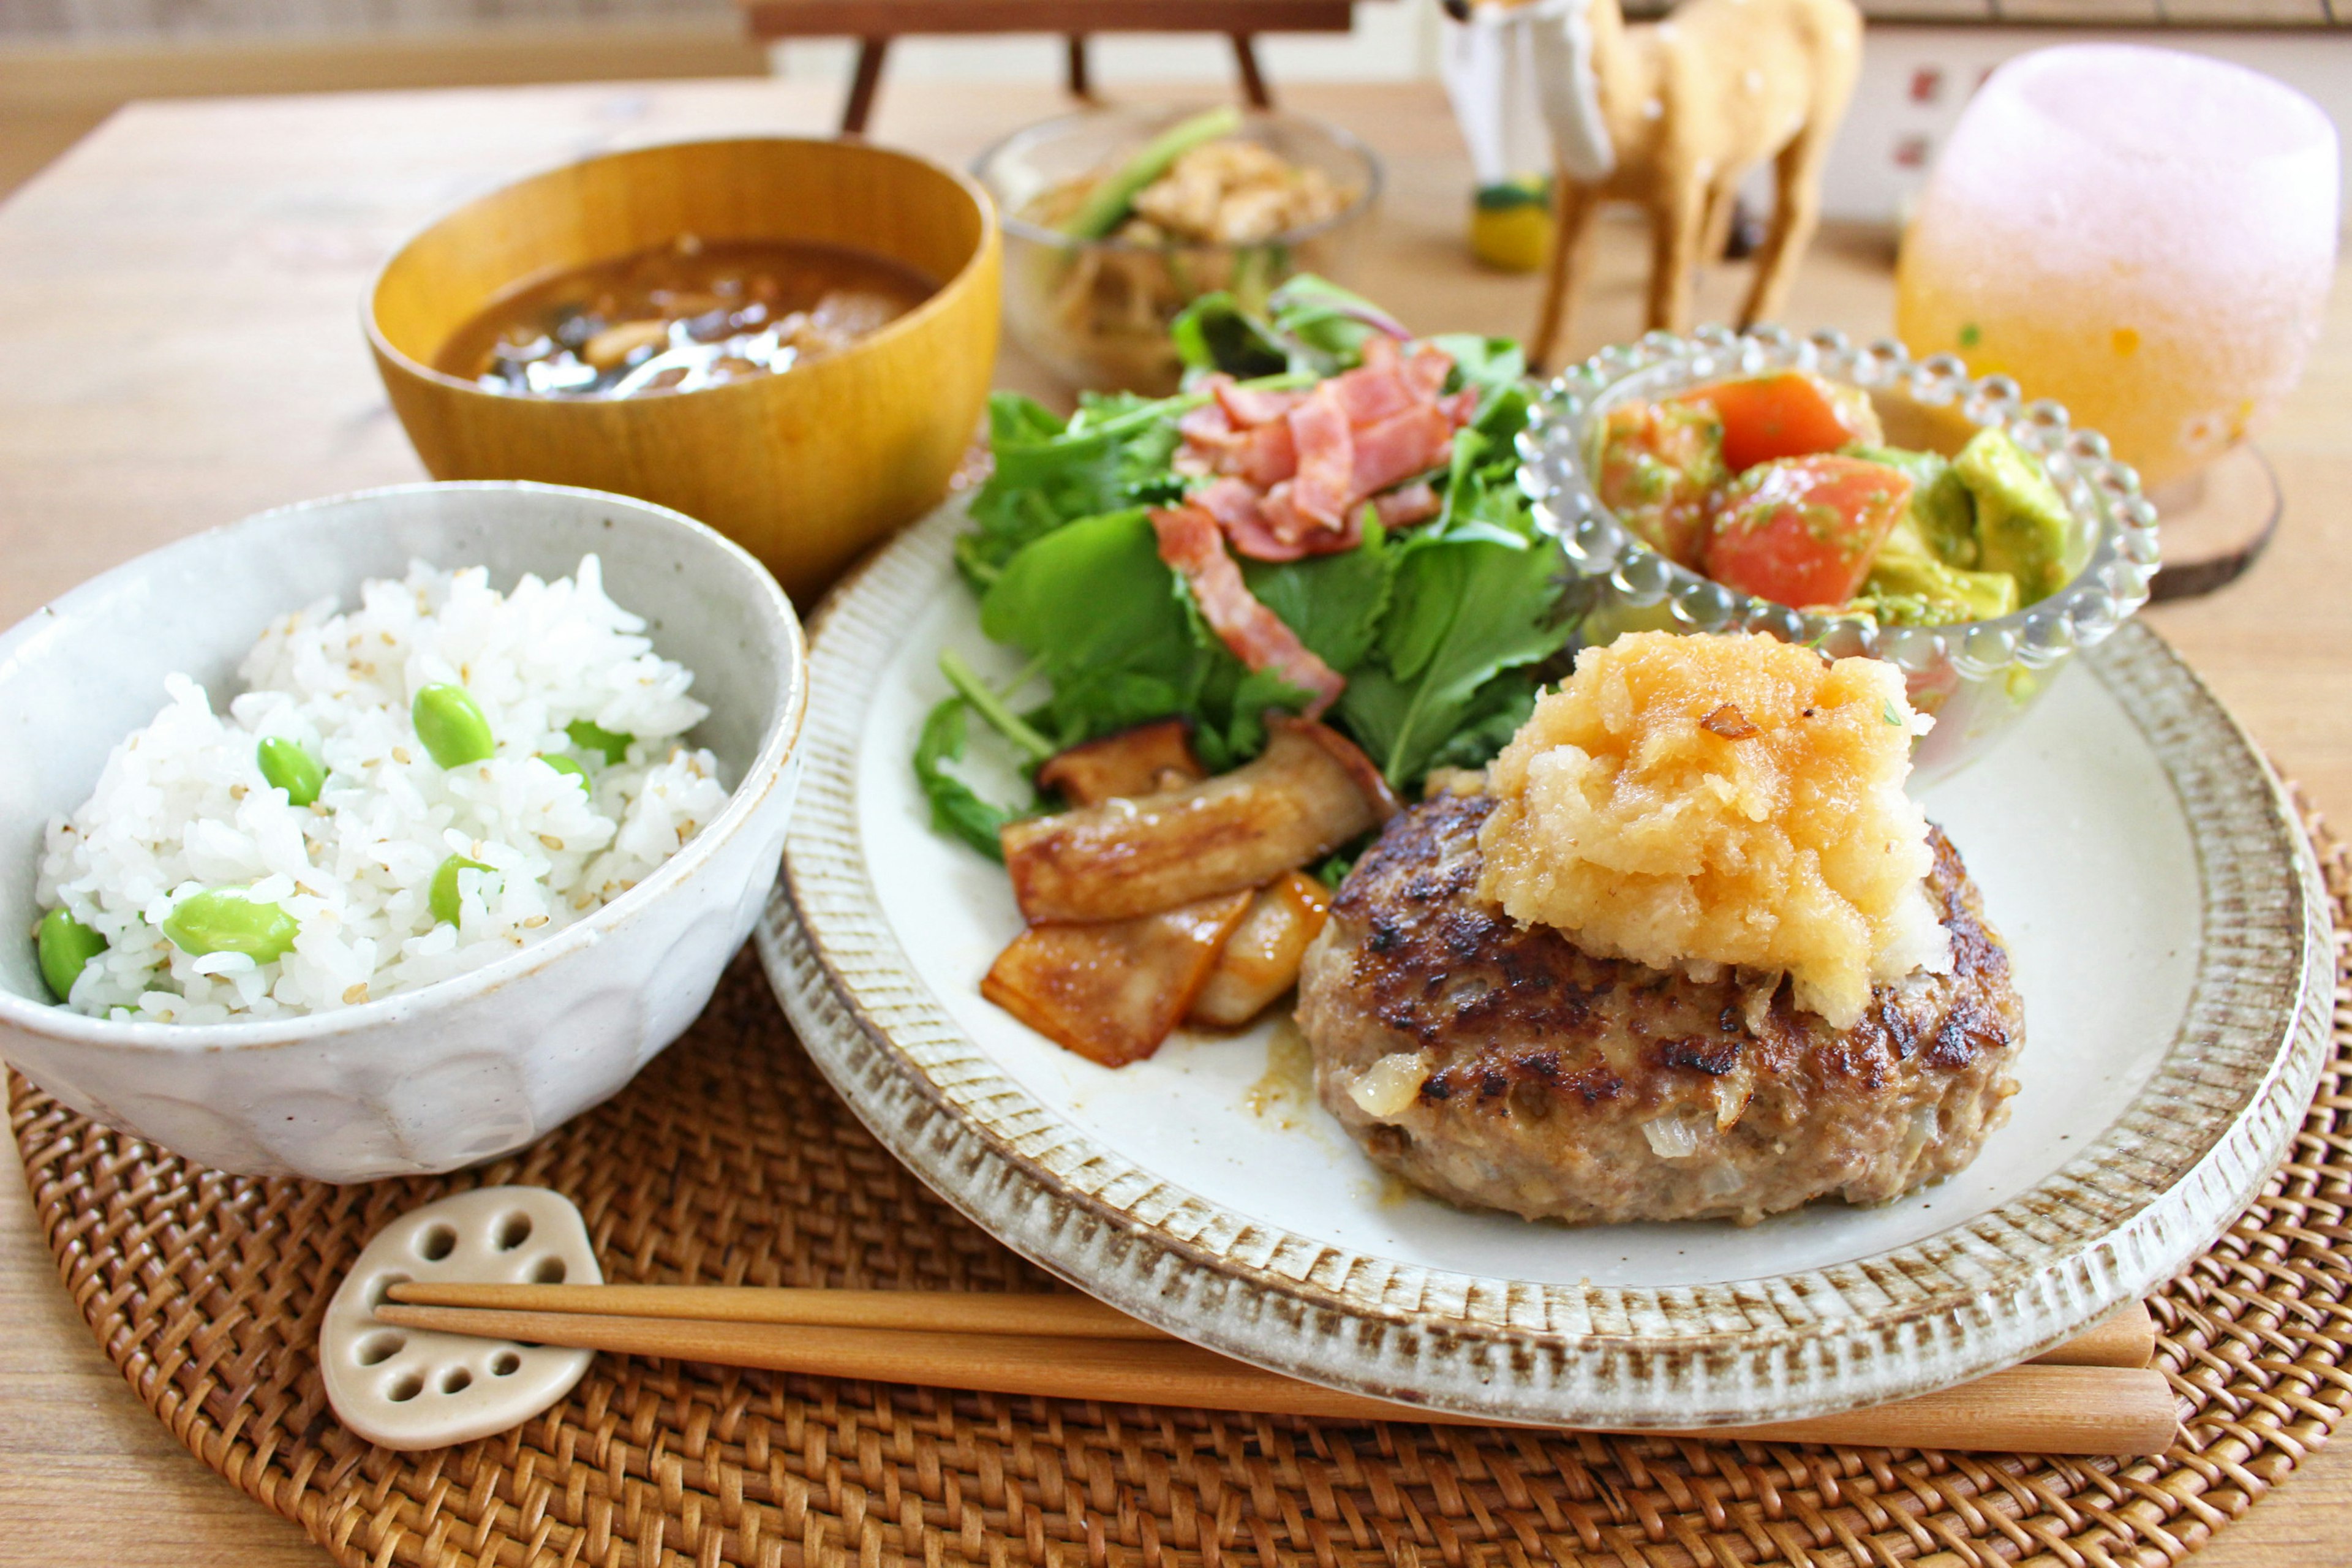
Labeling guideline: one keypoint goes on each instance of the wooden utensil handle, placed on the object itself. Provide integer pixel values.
(2127, 1339)
(2036, 1409)
(944, 1311)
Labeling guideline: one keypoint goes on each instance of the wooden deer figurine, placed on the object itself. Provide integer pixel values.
(1671, 114)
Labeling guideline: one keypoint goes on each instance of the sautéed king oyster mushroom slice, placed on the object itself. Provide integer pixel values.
(1146, 907)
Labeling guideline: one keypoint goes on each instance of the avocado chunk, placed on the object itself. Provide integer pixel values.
(1942, 510)
(2021, 521)
(1908, 586)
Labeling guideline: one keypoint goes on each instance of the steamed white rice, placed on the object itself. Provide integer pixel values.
(182, 805)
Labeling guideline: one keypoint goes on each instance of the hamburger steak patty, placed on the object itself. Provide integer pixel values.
(1502, 1067)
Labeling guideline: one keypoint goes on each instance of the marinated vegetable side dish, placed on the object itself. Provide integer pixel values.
(1254, 614)
(1783, 487)
(1197, 184)
(1201, 208)
(402, 793)
(679, 317)
(1686, 951)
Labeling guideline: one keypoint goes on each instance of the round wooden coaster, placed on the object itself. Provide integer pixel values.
(2216, 523)
(728, 1161)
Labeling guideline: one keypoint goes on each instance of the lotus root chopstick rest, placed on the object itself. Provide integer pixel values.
(410, 1388)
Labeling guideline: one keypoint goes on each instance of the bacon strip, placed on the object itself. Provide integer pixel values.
(1190, 542)
(1415, 502)
(1378, 388)
(1267, 527)
(1292, 469)
(1414, 442)
(1249, 406)
(1208, 425)
(1259, 540)
(1233, 502)
(1427, 367)
(1209, 438)
(1264, 457)
(1327, 458)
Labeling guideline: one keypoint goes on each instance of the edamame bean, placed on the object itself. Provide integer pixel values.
(569, 769)
(288, 766)
(228, 920)
(591, 736)
(66, 947)
(451, 725)
(444, 898)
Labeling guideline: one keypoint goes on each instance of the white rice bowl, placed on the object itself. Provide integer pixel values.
(182, 806)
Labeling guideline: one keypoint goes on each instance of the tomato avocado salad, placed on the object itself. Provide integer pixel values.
(1782, 486)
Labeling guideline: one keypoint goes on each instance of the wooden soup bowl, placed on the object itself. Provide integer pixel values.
(805, 468)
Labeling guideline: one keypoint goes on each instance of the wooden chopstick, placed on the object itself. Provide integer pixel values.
(2033, 1409)
(1058, 1316)
(2127, 1339)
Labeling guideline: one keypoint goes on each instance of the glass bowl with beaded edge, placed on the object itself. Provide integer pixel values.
(1976, 677)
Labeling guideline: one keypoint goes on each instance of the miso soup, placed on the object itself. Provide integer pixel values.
(679, 317)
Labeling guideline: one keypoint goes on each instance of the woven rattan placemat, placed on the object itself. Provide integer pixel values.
(730, 1161)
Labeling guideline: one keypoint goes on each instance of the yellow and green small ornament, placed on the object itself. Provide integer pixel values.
(1511, 224)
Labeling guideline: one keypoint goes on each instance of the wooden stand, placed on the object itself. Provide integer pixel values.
(874, 22)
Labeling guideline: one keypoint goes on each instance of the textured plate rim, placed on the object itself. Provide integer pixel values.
(2151, 1193)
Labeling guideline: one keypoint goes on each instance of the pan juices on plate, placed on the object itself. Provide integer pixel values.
(1688, 951)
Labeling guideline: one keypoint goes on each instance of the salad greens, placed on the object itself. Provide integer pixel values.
(1442, 630)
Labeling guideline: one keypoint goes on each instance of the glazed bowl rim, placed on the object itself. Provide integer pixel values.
(937, 303)
(780, 739)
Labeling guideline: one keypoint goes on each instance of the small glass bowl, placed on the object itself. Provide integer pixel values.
(1976, 678)
(1096, 312)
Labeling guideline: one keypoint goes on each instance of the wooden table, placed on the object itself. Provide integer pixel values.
(179, 303)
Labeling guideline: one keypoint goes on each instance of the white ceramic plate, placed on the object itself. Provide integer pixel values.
(2170, 941)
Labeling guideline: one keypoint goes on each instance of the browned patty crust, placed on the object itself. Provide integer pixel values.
(1566, 1086)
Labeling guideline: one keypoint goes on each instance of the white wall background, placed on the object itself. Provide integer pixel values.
(1915, 79)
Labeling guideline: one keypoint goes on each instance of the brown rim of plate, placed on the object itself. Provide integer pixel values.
(2156, 1187)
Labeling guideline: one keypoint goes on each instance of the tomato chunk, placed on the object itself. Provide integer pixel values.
(1789, 414)
(1660, 463)
(1803, 531)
